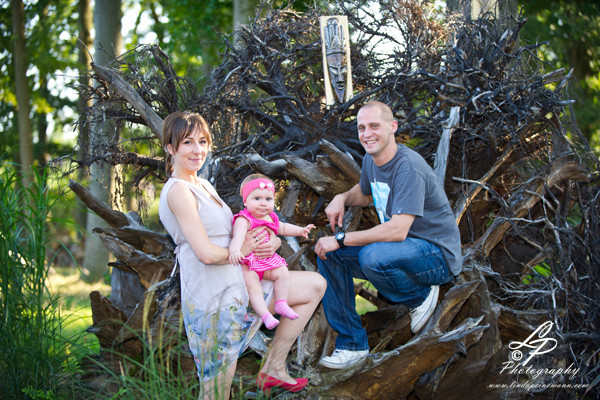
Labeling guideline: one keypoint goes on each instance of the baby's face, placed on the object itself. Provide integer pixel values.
(260, 202)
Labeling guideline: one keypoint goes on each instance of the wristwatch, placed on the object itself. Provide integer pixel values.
(340, 236)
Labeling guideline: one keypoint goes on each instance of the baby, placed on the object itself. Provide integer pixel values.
(258, 193)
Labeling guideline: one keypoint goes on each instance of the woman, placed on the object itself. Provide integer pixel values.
(214, 299)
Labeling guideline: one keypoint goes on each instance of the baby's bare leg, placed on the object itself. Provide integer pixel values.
(281, 287)
(255, 292)
(281, 281)
(257, 300)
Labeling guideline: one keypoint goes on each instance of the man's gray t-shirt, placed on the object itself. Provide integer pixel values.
(407, 185)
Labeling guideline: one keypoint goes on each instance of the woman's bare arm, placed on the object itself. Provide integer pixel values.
(183, 204)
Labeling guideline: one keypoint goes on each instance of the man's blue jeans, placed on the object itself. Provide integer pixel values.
(402, 272)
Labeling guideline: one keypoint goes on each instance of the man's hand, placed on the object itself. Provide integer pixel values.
(335, 209)
(325, 245)
(335, 212)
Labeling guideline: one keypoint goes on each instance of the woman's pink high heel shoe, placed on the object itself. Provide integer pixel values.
(266, 383)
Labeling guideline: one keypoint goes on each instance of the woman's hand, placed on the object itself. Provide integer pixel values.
(267, 249)
(253, 240)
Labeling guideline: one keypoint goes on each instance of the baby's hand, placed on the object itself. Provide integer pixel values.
(235, 257)
(306, 230)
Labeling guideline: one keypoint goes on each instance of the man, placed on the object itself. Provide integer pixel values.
(415, 249)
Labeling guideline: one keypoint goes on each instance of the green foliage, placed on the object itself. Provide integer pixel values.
(194, 52)
(540, 271)
(572, 29)
(363, 306)
(36, 394)
(51, 34)
(32, 352)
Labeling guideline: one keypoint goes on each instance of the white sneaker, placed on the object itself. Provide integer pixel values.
(341, 359)
(419, 315)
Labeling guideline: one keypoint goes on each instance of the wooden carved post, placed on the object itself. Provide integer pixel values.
(336, 59)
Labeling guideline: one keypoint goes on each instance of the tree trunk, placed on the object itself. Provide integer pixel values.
(42, 129)
(243, 12)
(84, 46)
(108, 44)
(475, 8)
(22, 91)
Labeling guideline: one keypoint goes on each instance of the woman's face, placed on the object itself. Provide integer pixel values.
(260, 202)
(191, 153)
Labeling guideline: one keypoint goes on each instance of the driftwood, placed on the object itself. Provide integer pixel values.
(124, 89)
(516, 172)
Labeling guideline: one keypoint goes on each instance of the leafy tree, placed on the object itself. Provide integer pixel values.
(192, 35)
(572, 29)
(187, 31)
(49, 33)
(86, 42)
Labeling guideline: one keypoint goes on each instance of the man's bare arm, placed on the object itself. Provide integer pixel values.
(337, 207)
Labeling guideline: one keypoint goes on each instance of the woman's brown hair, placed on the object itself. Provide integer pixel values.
(178, 126)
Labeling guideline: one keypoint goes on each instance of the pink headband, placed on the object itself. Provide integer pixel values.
(259, 183)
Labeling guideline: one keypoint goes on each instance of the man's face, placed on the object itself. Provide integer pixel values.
(374, 132)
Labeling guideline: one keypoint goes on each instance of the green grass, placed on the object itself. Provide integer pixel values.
(155, 375)
(74, 303)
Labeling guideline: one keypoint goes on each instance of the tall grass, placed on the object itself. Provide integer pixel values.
(164, 369)
(158, 372)
(34, 359)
